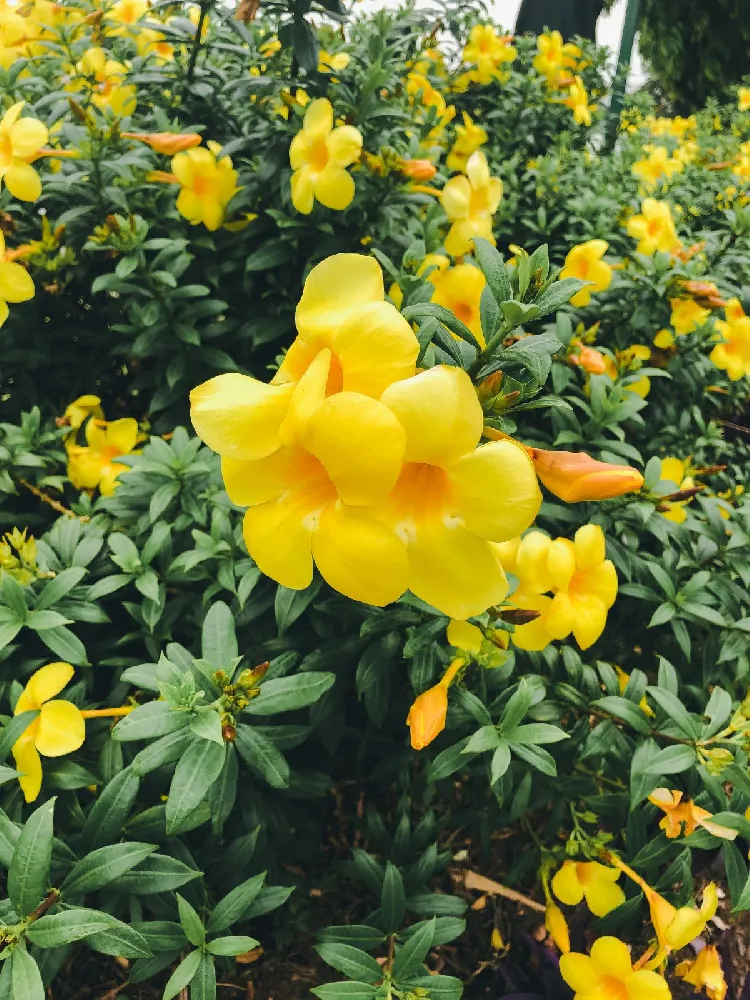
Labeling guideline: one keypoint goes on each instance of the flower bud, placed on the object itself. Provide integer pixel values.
(574, 476)
(426, 718)
(167, 143)
(588, 358)
(557, 927)
(519, 616)
(418, 170)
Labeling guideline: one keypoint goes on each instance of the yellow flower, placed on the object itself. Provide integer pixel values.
(328, 63)
(676, 928)
(464, 636)
(319, 154)
(578, 102)
(574, 476)
(21, 140)
(684, 817)
(59, 728)
(743, 99)
(584, 261)
(608, 974)
(18, 556)
(557, 926)
(674, 470)
(687, 316)
(733, 353)
(469, 137)
(470, 202)
(653, 228)
(459, 289)
(126, 14)
(590, 881)
(426, 718)
(705, 971)
(553, 57)
(150, 42)
(208, 185)
(105, 78)
(16, 284)
(81, 408)
(167, 143)
(664, 339)
(94, 464)
(12, 34)
(656, 166)
(489, 52)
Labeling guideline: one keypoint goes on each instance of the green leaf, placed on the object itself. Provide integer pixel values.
(57, 588)
(672, 760)
(626, 710)
(285, 694)
(56, 929)
(518, 705)
(500, 762)
(353, 962)
(290, 604)
(219, 642)
(207, 725)
(736, 869)
(675, 710)
(190, 921)
(196, 771)
(360, 935)
(158, 873)
(147, 722)
(108, 814)
(392, 899)
(28, 875)
(558, 295)
(536, 733)
(64, 644)
(103, 866)
(9, 631)
(492, 266)
(232, 945)
(233, 906)
(14, 730)
(483, 739)
(41, 620)
(182, 975)
(345, 991)
(410, 956)
(536, 756)
(165, 750)
(305, 43)
(431, 310)
(718, 710)
(14, 597)
(447, 762)
(263, 756)
(161, 935)
(26, 978)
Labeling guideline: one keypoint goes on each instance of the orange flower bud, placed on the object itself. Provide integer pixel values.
(164, 176)
(419, 170)
(168, 143)
(426, 718)
(588, 358)
(574, 476)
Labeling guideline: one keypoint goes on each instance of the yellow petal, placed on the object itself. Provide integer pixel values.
(344, 145)
(239, 416)
(589, 544)
(532, 562)
(44, 684)
(590, 619)
(611, 957)
(495, 490)
(122, 435)
(22, 181)
(601, 582)
(334, 188)
(334, 289)
(375, 347)
(16, 284)
(673, 470)
(61, 729)
(602, 896)
(278, 535)
(250, 483)
(534, 635)
(109, 473)
(566, 886)
(360, 557)
(4, 311)
(441, 414)
(560, 617)
(579, 973)
(360, 444)
(303, 191)
(27, 136)
(561, 562)
(29, 763)
(477, 170)
(453, 570)
(318, 118)
(464, 635)
(426, 718)
(687, 924)
(307, 397)
(646, 985)
(456, 198)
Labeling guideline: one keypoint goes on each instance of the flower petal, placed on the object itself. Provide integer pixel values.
(61, 729)
(122, 435)
(645, 985)
(566, 886)
(27, 135)
(360, 443)
(441, 414)
(590, 548)
(453, 570)
(360, 557)
(590, 618)
(602, 896)
(334, 289)
(456, 198)
(344, 145)
(251, 483)
(318, 118)
(16, 284)
(44, 684)
(239, 416)
(23, 181)
(278, 535)
(303, 190)
(464, 635)
(611, 957)
(29, 763)
(532, 567)
(561, 562)
(579, 973)
(375, 347)
(334, 188)
(308, 395)
(560, 618)
(495, 489)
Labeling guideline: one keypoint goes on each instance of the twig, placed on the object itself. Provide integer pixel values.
(46, 904)
(735, 427)
(473, 880)
(54, 504)
(111, 994)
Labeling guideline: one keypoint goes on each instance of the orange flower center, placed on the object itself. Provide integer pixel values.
(464, 312)
(613, 989)
(422, 492)
(6, 150)
(313, 487)
(318, 156)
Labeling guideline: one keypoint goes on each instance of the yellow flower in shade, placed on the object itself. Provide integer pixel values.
(743, 99)
(21, 139)
(18, 556)
(687, 316)
(489, 52)
(658, 165)
(674, 470)
(81, 408)
(553, 58)
(150, 42)
(469, 137)
(94, 464)
(16, 284)
(319, 154)
(608, 974)
(578, 102)
(623, 679)
(653, 228)
(207, 183)
(591, 881)
(585, 262)
(167, 143)
(464, 636)
(557, 926)
(664, 339)
(732, 355)
(459, 289)
(454, 499)
(684, 817)
(125, 14)
(705, 971)
(574, 476)
(470, 202)
(426, 718)
(59, 728)
(328, 63)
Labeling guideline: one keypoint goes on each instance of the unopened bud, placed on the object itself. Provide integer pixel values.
(680, 495)
(249, 678)
(228, 732)
(418, 170)
(490, 386)
(519, 616)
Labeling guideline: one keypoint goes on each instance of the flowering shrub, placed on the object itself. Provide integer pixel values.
(372, 511)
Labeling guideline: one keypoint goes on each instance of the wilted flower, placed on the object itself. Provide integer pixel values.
(683, 817)
(470, 202)
(585, 262)
(705, 971)
(319, 154)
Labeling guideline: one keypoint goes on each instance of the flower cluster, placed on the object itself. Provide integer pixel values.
(94, 464)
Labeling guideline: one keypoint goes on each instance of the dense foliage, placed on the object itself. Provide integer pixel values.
(207, 764)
